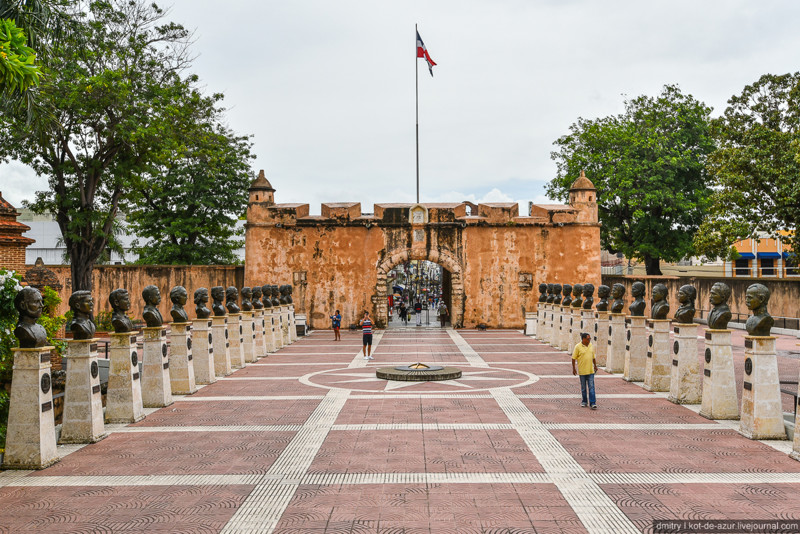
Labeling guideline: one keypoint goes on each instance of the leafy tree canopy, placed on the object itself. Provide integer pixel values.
(756, 171)
(192, 196)
(648, 166)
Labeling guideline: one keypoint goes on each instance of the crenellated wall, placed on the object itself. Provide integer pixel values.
(495, 258)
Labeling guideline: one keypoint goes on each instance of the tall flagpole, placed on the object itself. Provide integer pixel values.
(416, 87)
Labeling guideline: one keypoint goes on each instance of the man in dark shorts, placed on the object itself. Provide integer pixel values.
(336, 322)
(366, 326)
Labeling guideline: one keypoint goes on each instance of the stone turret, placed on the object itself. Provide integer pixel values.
(583, 197)
(261, 190)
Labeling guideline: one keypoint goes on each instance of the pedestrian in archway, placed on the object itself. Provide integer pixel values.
(403, 312)
(443, 313)
(336, 322)
(366, 326)
(418, 312)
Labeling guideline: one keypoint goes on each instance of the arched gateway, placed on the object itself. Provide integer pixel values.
(495, 258)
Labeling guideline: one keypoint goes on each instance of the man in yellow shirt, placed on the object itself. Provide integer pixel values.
(587, 367)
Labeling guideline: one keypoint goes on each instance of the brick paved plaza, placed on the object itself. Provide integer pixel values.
(307, 440)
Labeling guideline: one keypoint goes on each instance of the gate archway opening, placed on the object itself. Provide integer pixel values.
(430, 280)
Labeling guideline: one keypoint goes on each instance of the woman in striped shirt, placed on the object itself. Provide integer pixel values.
(366, 325)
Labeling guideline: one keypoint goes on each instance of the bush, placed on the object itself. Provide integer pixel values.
(9, 287)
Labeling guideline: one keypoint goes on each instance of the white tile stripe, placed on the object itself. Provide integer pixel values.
(473, 358)
(426, 478)
(250, 398)
(696, 478)
(262, 509)
(595, 509)
(425, 426)
(207, 428)
(358, 360)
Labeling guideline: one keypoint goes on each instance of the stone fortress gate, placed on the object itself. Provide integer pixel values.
(493, 258)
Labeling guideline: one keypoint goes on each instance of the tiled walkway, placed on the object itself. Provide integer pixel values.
(308, 440)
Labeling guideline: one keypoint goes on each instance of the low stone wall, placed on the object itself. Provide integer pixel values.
(784, 302)
(134, 278)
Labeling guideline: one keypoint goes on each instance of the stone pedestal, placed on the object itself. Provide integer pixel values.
(587, 325)
(615, 359)
(545, 333)
(82, 421)
(762, 416)
(796, 441)
(292, 324)
(658, 367)
(202, 352)
(635, 349)
(600, 329)
(277, 324)
(287, 340)
(562, 328)
(539, 322)
(220, 345)
(181, 363)
(684, 386)
(269, 330)
(31, 432)
(235, 331)
(531, 320)
(719, 399)
(260, 341)
(575, 329)
(248, 337)
(156, 387)
(124, 394)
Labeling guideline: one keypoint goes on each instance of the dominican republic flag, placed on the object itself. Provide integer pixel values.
(423, 52)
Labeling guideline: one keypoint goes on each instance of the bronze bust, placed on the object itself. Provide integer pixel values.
(542, 292)
(289, 290)
(247, 295)
(638, 305)
(686, 297)
(151, 315)
(557, 294)
(284, 293)
(588, 298)
(232, 299)
(266, 289)
(567, 300)
(551, 293)
(720, 312)
(257, 304)
(756, 299)
(178, 296)
(82, 306)
(577, 293)
(200, 301)
(617, 292)
(659, 306)
(275, 292)
(603, 293)
(217, 296)
(28, 302)
(120, 301)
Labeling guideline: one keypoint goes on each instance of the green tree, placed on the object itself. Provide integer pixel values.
(648, 166)
(110, 84)
(17, 69)
(197, 191)
(756, 171)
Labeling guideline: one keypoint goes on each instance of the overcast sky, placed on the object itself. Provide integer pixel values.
(327, 88)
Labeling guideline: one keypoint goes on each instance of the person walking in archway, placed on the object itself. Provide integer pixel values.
(443, 313)
(403, 313)
(418, 312)
(366, 326)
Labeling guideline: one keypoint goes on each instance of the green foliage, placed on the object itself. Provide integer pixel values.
(192, 196)
(756, 171)
(103, 322)
(51, 322)
(17, 69)
(9, 287)
(648, 167)
(111, 84)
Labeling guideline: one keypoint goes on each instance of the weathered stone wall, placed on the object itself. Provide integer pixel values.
(784, 302)
(495, 258)
(134, 278)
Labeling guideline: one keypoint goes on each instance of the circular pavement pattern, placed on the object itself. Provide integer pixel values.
(473, 379)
